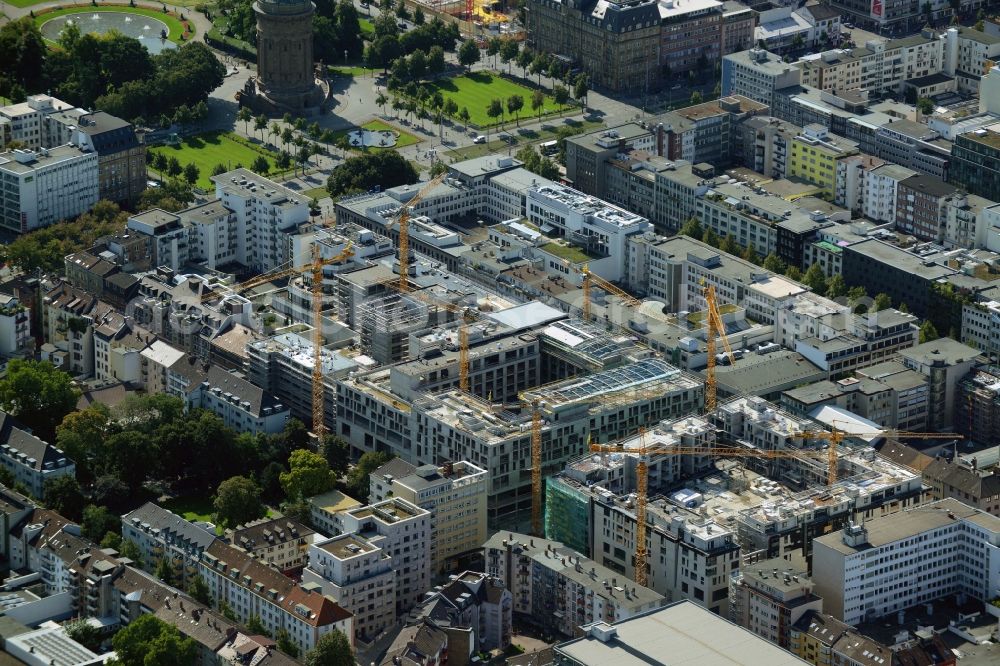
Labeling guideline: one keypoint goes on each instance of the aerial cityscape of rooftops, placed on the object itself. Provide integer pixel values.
(313, 350)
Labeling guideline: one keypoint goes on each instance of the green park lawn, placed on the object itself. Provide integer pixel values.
(191, 508)
(367, 28)
(476, 90)
(212, 148)
(174, 26)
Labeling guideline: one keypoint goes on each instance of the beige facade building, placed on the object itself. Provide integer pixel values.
(278, 542)
(359, 575)
(454, 493)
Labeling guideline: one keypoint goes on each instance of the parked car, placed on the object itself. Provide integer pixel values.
(479, 139)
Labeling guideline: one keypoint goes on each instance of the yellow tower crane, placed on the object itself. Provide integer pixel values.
(319, 423)
(404, 231)
(714, 328)
(536, 470)
(590, 279)
(315, 268)
(645, 453)
(835, 436)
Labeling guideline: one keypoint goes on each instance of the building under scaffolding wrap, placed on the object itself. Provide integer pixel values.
(386, 324)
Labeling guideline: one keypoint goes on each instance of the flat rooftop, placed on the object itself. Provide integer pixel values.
(911, 522)
(347, 546)
(686, 632)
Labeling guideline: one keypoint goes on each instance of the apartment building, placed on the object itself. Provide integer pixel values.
(974, 162)
(967, 54)
(472, 601)
(557, 589)
(754, 218)
(403, 532)
(767, 145)
(44, 187)
(881, 191)
(325, 507)
(965, 482)
(920, 202)
(769, 596)
(757, 74)
(871, 570)
(253, 589)
(359, 575)
(880, 66)
(31, 462)
(887, 393)
(266, 214)
(945, 363)
(241, 405)
(189, 310)
(15, 328)
(815, 153)
(278, 542)
(455, 496)
(706, 133)
(159, 533)
(602, 230)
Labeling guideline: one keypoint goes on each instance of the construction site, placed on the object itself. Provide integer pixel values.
(486, 16)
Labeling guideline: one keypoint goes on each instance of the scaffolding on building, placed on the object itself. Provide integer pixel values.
(386, 324)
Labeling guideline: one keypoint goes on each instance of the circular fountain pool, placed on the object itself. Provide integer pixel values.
(150, 31)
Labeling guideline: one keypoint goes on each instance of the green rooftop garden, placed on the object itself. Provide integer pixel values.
(568, 252)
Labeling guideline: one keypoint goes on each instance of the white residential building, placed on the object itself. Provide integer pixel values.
(559, 589)
(27, 120)
(757, 74)
(879, 189)
(267, 214)
(243, 406)
(769, 596)
(252, 588)
(454, 493)
(359, 575)
(403, 532)
(31, 461)
(15, 327)
(891, 564)
(597, 226)
(41, 188)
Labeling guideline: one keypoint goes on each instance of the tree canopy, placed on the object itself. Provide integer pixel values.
(238, 501)
(38, 394)
(309, 474)
(332, 649)
(148, 641)
(46, 248)
(381, 168)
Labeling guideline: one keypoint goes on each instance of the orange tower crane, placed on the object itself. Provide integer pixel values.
(404, 231)
(715, 327)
